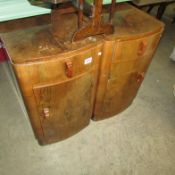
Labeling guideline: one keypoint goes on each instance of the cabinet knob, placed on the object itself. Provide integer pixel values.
(142, 47)
(69, 68)
(46, 112)
(140, 77)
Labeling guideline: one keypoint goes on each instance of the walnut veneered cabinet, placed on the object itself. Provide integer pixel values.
(65, 84)
(123, 69)
(59, 92)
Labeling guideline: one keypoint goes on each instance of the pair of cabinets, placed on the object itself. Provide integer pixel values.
(64, 92)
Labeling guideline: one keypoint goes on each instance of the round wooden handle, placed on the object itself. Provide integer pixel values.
(69, 70)
(140, 77)
(46, 112)
(142, 47)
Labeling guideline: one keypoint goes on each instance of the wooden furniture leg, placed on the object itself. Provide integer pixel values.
(80, 13)
(161, 10)
(150, 8)
(112, 10)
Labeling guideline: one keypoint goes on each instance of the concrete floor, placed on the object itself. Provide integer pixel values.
(139, 141)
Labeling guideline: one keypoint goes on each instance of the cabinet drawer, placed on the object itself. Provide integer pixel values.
(83, 62)
(60, 68)
(132, 49)
(122, 68)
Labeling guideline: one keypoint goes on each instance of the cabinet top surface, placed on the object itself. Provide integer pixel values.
(31, 39)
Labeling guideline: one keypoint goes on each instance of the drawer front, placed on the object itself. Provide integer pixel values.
(121, 68)
(133, 49)
(138, 63)
(124, 67)
(68, 67)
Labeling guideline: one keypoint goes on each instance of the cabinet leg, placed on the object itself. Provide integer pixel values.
(161, 10)
(150, 8)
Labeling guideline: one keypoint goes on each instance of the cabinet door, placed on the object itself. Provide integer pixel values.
(120, 93)
(66, 107)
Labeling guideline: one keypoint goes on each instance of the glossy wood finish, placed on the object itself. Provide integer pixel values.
(65, 83)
